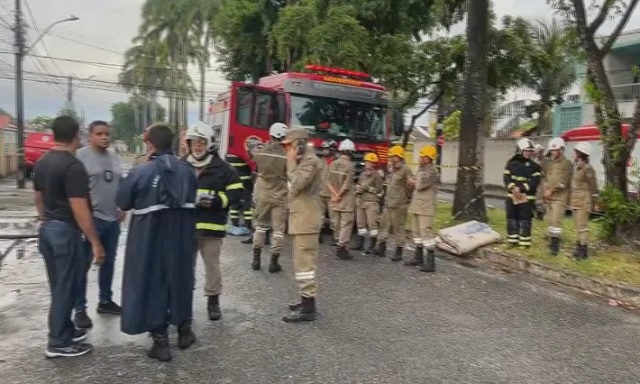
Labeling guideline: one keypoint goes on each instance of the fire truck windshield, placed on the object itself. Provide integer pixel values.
(335, 118)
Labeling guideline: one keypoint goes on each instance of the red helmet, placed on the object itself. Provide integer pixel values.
(145, 134)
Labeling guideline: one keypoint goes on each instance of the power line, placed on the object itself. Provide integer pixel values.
(110, 65)
(44, 45)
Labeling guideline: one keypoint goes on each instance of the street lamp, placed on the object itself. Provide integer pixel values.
(20, 52)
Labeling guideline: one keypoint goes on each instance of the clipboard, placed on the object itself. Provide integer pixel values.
(519, 199)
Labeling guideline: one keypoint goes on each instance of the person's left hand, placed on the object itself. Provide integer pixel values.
(121, 216)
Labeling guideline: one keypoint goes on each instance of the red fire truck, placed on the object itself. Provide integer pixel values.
(331, 103)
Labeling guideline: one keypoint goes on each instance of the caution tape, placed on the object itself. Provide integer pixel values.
(453, 166)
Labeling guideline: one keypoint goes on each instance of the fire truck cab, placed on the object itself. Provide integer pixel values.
(331, 103)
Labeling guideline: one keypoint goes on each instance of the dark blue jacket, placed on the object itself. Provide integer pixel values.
(158, 275)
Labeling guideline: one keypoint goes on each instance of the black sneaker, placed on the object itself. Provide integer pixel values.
(110, 308)
(82, 320)
(74, 350)
(79, 335)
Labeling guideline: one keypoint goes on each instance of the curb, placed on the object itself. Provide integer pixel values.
(620, 292)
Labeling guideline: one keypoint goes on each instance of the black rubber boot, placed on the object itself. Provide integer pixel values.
(429, 262)
(255, 264)
(186, 337)
(160, 349)
(582, 252)
(305, 312)
(342, 253)
(381, 249)
(576, 250)
(213, 308)
(398, 255)
(512, 232)
(418, 258)
(554, 245)
(371, 248)
(320, 236)
(359, 244)
(274, 266)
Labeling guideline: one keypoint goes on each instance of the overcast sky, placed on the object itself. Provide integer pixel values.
(94, 45)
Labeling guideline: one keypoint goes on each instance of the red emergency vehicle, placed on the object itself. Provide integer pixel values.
(331, 103)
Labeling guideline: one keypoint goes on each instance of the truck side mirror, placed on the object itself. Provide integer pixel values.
(398, 123)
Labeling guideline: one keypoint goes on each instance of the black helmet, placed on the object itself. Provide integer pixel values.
(329, 144)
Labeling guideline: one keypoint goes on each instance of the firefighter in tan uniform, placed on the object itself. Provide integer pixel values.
(423, 209)
(304, 171)
(540, 157)
(329, 148)
(584, 188)
(271, 195)
(340, 183)
(368, 191)
(396, 204)
(556, 185)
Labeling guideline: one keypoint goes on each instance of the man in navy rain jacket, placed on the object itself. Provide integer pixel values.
(158, 275)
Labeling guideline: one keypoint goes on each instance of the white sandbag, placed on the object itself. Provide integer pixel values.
(467, 237)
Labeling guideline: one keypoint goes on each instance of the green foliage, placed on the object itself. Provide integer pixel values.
(451, 126)
(125, 125)
(619, 213)
(40, 123)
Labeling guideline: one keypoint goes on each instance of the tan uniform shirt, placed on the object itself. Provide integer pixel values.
(324, 191)
(398, 193)
(370, 184)
(305, 216)
(341, 173)
(557, 177)
(584, 187)
(271, 185)
(425, 192)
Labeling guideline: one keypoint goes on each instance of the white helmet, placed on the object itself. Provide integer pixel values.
(583, 147)
(556, 143)
(201, 131)
(525, 145)
(347, 146)
(278, 130)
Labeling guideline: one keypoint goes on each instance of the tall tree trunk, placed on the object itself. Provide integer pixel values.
(203, 71)
(468, 203)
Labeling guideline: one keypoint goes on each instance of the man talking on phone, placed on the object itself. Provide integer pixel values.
(304, 171)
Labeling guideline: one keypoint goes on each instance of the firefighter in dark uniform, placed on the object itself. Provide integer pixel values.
(218, 188)
(244, 206)
(521, 178)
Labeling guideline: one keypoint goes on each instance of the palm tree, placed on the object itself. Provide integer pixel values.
(203, 16)
(554, 52)
(167, 27)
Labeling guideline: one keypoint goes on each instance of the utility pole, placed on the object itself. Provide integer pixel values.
(70, 88)
(20, 51)
(18, 30)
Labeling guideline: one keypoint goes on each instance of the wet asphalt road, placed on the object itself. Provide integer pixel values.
(380, 322)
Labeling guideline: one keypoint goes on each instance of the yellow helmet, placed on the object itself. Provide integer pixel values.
(371, 157)
(396, 150)
(428, 151)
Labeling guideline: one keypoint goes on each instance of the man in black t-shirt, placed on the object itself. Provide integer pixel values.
(61, 188)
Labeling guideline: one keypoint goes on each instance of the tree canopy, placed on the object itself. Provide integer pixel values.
(126, 118)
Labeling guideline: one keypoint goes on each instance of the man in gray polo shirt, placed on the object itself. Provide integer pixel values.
(103, 167)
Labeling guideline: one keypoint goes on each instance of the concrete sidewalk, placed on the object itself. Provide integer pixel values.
(14, 199)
